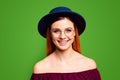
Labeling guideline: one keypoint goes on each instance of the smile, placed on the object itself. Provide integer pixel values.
(62, 42)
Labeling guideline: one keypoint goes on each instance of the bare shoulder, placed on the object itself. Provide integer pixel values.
(90, 62)
(41, 66)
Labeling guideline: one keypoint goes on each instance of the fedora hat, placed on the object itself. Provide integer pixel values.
(48, 19)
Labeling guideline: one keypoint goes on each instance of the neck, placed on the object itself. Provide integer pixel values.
(64, 55)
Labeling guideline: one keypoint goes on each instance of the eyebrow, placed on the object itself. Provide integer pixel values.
(65, 28)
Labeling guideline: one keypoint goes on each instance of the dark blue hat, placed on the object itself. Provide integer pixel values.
(48, 19)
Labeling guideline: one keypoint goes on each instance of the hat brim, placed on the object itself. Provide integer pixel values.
(46, 20)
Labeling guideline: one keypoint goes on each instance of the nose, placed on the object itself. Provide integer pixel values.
(62, 35)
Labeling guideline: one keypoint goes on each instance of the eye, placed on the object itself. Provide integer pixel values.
(68, 30)
(55, 30)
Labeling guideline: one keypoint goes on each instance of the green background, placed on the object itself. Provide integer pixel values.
(21, 46)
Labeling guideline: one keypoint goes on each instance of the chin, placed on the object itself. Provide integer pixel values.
(62, 49)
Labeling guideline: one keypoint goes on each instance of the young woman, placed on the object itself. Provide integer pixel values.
(64, 61)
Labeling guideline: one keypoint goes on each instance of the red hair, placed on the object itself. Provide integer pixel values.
(51, 47)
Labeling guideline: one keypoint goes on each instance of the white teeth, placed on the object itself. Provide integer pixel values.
(62, 42)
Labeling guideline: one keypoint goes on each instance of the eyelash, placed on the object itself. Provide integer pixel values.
(68, 30)
(57, 30)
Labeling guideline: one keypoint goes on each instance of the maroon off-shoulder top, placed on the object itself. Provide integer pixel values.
(92, 74)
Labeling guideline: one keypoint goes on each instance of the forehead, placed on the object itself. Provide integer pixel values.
(62, 23)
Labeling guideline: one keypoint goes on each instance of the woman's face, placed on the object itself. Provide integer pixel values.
(62, 33)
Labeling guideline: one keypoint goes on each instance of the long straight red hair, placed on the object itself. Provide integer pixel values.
(51, 47)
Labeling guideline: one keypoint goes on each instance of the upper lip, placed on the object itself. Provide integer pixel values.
(62, 41)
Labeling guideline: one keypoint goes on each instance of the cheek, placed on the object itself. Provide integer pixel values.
(54, 35)
(74, 34)
(53, 38)
(72, 37)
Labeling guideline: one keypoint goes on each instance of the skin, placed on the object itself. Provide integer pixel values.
(59, 31)
(64, 59)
